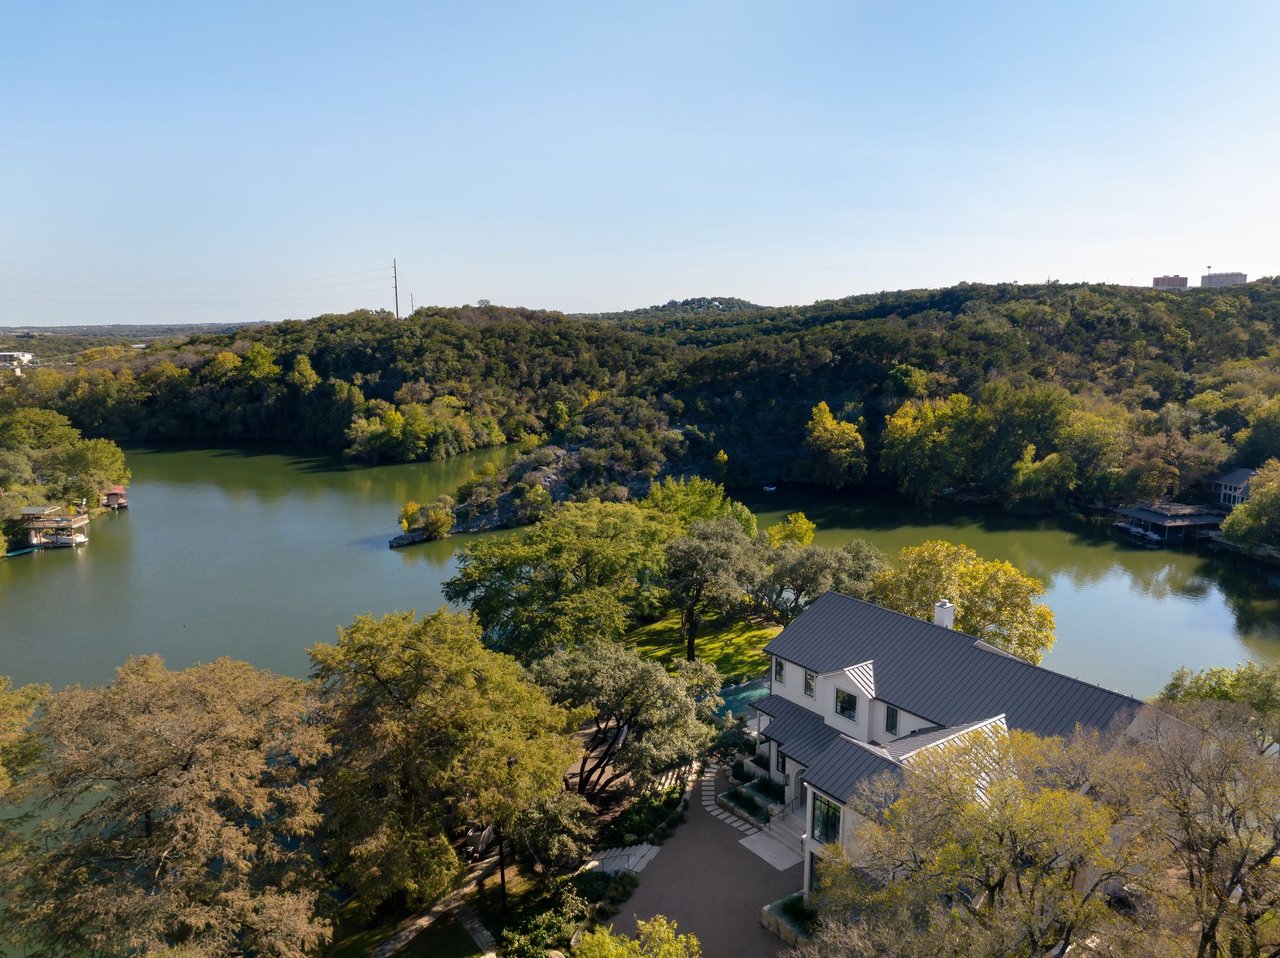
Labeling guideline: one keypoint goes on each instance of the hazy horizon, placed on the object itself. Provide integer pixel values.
(239, 164)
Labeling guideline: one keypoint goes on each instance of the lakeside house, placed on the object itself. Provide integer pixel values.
(857, 690)
(1233, 488)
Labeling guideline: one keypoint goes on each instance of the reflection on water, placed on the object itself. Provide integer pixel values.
(259, 555)
(1126, 616)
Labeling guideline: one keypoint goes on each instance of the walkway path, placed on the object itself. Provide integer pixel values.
(709, 884)
(453, 902)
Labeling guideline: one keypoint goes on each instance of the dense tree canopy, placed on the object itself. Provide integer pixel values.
(430, 731)
(1123, 393)
(177, 811)
(646, 721)
(1256, 521)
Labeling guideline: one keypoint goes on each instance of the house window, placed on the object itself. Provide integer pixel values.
(779, 670)
(826, 821)
(847, 705)
(809, 680)
(813, 873)
(890, 720)
(781, 760)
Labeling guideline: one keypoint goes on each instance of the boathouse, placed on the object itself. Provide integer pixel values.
(117, 497)
(50, 526)
(1167, 523)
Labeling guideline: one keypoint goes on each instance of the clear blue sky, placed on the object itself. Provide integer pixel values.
(183, 162)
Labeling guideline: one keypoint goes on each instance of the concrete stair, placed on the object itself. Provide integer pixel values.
(633, 858)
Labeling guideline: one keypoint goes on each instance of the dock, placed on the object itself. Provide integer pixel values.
(50, 527)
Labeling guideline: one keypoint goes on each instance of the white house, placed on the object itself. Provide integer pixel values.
(1233, 488)
(857, 690)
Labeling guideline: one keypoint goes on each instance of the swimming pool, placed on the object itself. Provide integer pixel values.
(738, 698)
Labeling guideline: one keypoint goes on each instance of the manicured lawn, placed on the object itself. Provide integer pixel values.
(735, 647)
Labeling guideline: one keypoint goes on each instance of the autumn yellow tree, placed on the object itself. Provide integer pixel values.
(994, 601)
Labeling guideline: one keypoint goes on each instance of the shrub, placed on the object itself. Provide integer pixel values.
(739, 771)
(774, 791)
(761, 759)
(794, 907)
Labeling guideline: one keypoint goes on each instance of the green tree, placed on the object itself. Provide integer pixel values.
(176, 813)
(926, 445)
(655, 938)
(423, 720)
(17, 743)
(993, 600)
(647, 722)
(1257, 687)
(836, 451)
(1043, 482)
(84, 469)
(715, 566)
(796, 530)
(577, 574)
(554, 834)
(1260, 440)
(797, 577)
(691, 499)
(1256, 521)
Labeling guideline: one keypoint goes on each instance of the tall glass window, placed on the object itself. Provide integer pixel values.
(809, 681)
(779, 670)
(781, 761)
(891, 720)
(826, 821)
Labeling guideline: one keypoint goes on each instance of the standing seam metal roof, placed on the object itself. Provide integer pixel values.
(941, 675)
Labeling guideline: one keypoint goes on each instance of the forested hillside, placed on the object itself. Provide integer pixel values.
(1041, 394)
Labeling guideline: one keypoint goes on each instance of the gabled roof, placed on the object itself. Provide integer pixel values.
(900, 749)
(843, 764)
(941, 675)
(802, 735)
(1237, 477)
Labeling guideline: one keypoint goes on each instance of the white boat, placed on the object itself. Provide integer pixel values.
(770, 488)
(68, 539)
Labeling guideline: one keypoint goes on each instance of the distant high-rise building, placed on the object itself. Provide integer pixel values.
(1223, 279)
(1169, 282)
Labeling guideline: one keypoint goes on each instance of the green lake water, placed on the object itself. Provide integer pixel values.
(259, 555)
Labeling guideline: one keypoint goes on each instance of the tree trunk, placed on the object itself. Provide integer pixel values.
(689, 625)
(502, 867)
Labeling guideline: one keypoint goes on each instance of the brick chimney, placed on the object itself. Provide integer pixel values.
(944, 614)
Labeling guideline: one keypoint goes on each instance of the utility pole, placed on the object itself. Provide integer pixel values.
(412, 308)
(395, 284)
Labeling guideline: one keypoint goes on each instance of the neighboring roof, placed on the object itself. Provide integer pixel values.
(802, 735)
(39, 510)
(843, 764)
(939, 674)
(1237, 477)
(1172, 515)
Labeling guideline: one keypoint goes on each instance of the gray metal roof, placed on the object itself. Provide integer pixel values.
(843, 764)
(802, 735)
(1237, 477)
(943, 676)
(900, 748)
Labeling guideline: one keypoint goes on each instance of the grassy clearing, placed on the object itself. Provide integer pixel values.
(735, 647)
